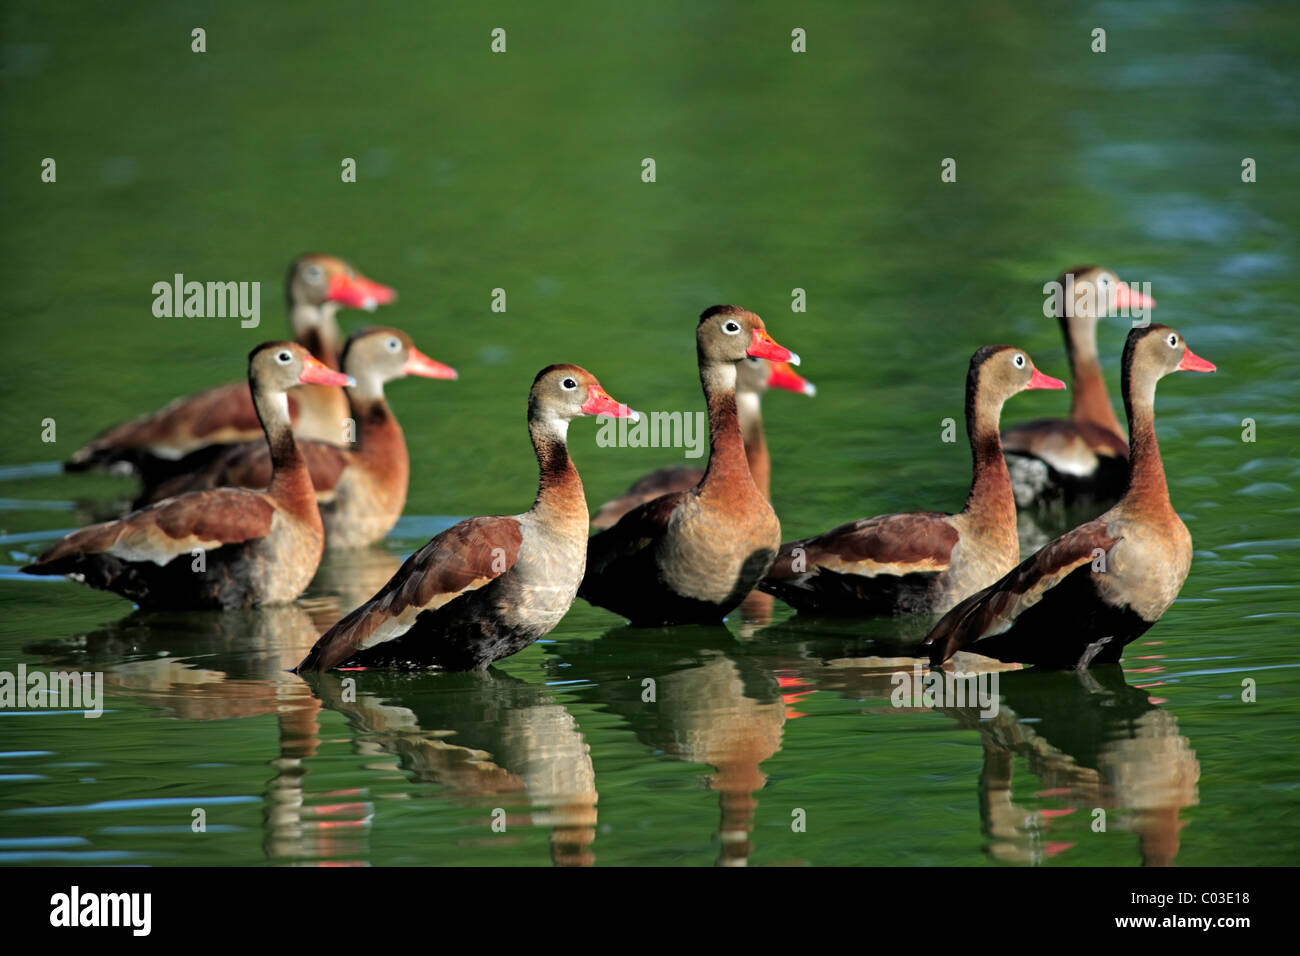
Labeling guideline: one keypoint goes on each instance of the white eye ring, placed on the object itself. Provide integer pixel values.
(731, 327)
(1103, 280)
(393, 345)
(1019, 360)
(312, 272)
(1172, 340)
(568, 385)
(284, 357)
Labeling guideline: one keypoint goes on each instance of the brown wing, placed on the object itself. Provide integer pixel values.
(463, 558)
(917, 542)
(159, 533)
(996, 608)
(218, 415)
(634, 532)
(249, 466)
(665, 481)
(1066, 445)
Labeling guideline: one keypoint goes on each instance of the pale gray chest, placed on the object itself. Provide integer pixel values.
(977, 560)
(549, 569)
(292, 552)
(704, 549)
(1146, 568)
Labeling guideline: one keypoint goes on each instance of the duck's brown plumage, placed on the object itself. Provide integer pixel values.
(360, 490)
(1083, 457)
(692, 556)
(754, 376)
(190, 431)
(486, 587)
(1096, 588)
(921, 562)
(256, 547)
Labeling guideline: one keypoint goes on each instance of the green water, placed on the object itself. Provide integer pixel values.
(775, 171)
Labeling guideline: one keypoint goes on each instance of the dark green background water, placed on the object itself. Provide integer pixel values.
(775, 170)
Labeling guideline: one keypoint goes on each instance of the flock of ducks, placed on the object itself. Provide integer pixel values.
(244, 487)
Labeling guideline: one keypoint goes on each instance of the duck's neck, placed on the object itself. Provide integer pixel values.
(1146, 472)
(379, 438)
(1088, 400)
(316, 329)
(290, 479)
(560, 497)
(728, 464)
(991, 500)
(750, 415)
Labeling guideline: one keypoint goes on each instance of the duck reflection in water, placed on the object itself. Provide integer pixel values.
(346, 578)
(1095, 741)
(487, 739)
(229, 666)
(708, 704)
(198, 666)
(1097, 744)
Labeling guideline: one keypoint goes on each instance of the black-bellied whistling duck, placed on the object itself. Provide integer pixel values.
(486, 587)
(1083, 457)
(225, 548)
(692, 556)
(361, 490)
(1092, 590)
(156, 445)
(754, 376)
(922, 562)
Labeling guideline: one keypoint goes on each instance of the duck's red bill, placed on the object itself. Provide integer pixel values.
(783, 376)
(358, 292)
(1127, 298)
(599, 402)
(382, 294)
(764, 346)
(316, 372)
(1194, 363)
(1039, 380)
(417, 363)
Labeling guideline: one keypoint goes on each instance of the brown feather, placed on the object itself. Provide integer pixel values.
(463, 558)
(998, 606)
(664, 481)
(631, 533)
(169, 528)
(249, 466)
(894, 544)
(1040, 437)
(222, 414)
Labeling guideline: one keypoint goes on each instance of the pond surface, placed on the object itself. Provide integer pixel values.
(772, 742)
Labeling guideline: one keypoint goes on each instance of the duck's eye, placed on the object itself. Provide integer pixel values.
(1019, 360)
(568, 384)
(1103, 280)
(284, 357)
(1172, 340)
(731, 327)
(313, 273)
(752, 360)
(393, 345)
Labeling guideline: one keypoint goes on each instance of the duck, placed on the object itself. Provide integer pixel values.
(754, 376)
(189, 430)
(486, 587)
(1088, 593)
(692, 556)
(922, 562)
(1084, 458)
(222, 548)
(361, 490)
